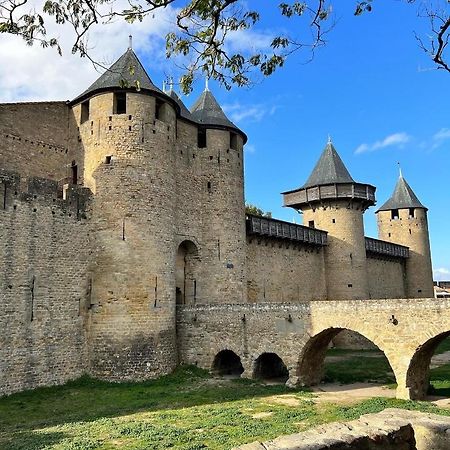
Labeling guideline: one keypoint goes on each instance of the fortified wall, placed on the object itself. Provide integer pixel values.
(122, 207)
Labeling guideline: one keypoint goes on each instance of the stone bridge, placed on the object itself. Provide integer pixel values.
(406, 330)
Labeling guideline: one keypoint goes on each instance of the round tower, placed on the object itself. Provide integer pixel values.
(332, 201)
(403, 220)
(127, 131)
(220, 147)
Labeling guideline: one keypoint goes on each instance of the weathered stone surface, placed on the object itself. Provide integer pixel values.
(392, 429)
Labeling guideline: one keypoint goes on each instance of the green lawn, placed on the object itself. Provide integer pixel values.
(187, 410)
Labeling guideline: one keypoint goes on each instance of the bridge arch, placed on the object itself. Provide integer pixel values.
(310, 367)
(270, 367)
(418, 374)
(227, 362)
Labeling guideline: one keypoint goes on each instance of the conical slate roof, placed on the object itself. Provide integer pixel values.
(126, 72)
(206, 110)
(403, 197)
(184, 112)
(329, 169)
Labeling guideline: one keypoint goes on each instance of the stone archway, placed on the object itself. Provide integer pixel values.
(227, 363)
(186, 273)
(418, 374)
(310, 368)
(270, 367)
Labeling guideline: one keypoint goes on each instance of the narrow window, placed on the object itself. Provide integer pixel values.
(108, 159)
(333, 220)
(74, 168)
(120, 103)
(84, 111)
(411, 213)
(209, 187)
(201, 138)
(311, 224)
(159, 109)
(350, 285)
(233, 141)
(394, 214)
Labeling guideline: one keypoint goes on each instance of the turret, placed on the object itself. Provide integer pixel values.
(127, 131)
(331, 200)
(403, 220)
(220, 146)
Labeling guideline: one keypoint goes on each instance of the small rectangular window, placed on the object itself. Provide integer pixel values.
(411, 213)
(394, 214)
(233, 141)
(311, 224)
(333, 220)
(350, 285)
(120, 103)
(84, 111)
(201, 138)
(108, 159)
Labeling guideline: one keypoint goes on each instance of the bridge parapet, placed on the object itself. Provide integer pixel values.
(401, 328)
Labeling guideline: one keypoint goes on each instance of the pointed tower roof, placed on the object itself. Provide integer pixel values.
(207, 110)
(184, 112)
(329, 169)
(403, 197)
(330, 181)
(124, 73)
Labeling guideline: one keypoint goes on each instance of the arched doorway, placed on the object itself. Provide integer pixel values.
(422, 371)
(227, 363)
(270, 367)
(319, 362)
(186, 268)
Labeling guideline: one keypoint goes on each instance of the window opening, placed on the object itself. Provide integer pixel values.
(233, 141)
(411, 213)
(84, 111)
(120, 103)
(108, 159)
(311, 224)
(201, 138)
(74, 168)
(394, 214)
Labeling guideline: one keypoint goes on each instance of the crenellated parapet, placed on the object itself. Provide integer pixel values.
(37, 193)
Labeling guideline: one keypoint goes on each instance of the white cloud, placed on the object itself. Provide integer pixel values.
(441, 274)
(250, 113)
(440, 137)
(395, 139)
(36, 74)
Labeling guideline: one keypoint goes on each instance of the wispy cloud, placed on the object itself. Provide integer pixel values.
(393, 140)
(248, 113)
(440, 137)
(250, 148)
(442, 273)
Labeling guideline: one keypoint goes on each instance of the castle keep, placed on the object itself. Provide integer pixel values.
(125, 249)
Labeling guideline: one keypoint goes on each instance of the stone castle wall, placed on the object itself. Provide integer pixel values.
(282, 271)
(34, 139)
(387, 277)
(44, 283)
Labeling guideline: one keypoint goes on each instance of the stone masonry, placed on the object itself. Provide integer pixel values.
(125, 248)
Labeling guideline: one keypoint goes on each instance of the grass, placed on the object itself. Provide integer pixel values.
(187, 410)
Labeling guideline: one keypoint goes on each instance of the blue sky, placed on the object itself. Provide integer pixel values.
(371, 88)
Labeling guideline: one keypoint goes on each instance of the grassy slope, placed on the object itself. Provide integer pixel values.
(186, 410)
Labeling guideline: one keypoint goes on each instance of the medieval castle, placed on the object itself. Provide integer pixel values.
(123, 229)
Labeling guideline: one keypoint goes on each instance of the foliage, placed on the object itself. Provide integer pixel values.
(185, 410)
(255, 211)
(203, 29)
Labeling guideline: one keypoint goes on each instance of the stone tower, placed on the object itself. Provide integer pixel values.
(403, 220)
(331, 200)
(221, 148)
(126, 132)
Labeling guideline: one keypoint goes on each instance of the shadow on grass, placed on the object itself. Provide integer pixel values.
(32, 440)
(88, 399)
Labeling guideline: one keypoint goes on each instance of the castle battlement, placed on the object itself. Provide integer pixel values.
(122, 206)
